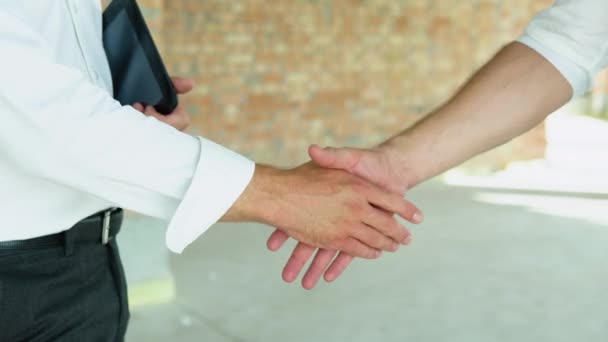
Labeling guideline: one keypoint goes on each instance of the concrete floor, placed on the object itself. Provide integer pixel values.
(487, 265)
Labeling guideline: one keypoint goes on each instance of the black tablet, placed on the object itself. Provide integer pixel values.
(138, 72)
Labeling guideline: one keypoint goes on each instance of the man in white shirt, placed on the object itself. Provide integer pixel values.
(68, 150)
(557, 58)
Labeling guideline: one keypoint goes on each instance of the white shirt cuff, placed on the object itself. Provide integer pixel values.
(577, 76)
(220, 177)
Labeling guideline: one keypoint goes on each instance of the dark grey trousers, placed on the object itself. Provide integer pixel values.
(76, 292)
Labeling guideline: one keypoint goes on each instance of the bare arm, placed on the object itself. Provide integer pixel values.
(514, 92)
(510, 95)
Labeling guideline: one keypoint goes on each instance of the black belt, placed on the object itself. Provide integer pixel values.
(98, 228)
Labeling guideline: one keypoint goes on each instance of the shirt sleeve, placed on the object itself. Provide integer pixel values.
(57, 125)
(573, 36)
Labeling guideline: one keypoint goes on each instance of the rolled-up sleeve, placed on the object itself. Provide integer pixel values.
(58, 126)
(573, 36)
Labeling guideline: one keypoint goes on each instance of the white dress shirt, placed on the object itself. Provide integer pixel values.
(573, 36)
(68, 149)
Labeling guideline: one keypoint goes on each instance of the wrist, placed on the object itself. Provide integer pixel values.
(258, 201)
(397, 160)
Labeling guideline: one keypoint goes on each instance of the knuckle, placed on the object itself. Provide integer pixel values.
(378, 242)
(356, 207)
(406, 208)
(395, 227)
(339, 244)
(376, 214)
(360, 250)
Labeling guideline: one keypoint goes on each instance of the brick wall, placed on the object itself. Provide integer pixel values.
(275, 76)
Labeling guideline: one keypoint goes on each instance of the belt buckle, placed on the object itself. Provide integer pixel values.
(105, 228)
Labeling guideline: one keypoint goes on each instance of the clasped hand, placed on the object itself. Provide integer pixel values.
(376, 165)
(343, 203)
(332, 209)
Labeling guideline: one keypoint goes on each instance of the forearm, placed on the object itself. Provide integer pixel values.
(510, 95)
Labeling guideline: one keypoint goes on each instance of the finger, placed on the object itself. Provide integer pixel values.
(168, 119)
(385, 224)
(276, 240)
(179, 119)
(359, 249)
(317, 267)
(408, 239)
(299, 257)
(335, 158)
(374, 238)
(183, 85)
(337, 267)
(138, 107)
(394, 203)
(151, 111)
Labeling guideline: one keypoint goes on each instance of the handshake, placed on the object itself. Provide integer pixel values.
(343, 202)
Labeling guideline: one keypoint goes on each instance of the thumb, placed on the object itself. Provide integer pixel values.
(334, 158)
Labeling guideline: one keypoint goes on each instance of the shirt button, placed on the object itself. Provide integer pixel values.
(75, 7)
(95, 76)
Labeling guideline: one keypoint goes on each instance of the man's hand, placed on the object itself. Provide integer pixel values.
(376, 165)
(326, 208)
(180, 119)
(373, 165)
(512, 93)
